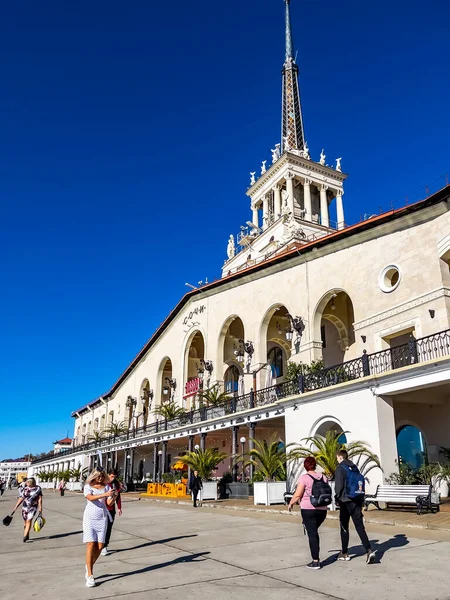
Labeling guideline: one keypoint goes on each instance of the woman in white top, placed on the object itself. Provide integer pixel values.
(95, 518)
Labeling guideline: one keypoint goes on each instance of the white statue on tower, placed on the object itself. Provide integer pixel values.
(322, 157)
(338, 164)
(263, 167)
(275, 153)
(286, 144)
(306, 151)
(252, 178)
(231, 250)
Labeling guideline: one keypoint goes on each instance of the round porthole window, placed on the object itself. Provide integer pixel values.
(389, 279)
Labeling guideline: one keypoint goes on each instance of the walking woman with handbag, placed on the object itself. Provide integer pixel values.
(314, 494)
(31, 501)
(116, 486)
(99, 495)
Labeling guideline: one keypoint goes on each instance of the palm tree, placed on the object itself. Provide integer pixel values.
(203, 461)
(96, 437)
(78, 473)
(213, 396)
(116, 428)
(325, 449)
(169, 411)
(42, 475)
(268, 458)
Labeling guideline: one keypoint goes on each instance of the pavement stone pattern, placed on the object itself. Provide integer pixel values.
(169, 551)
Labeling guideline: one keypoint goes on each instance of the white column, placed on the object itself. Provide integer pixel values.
(340, 209)
(307, 199)
(290, 191)
(277, 200)
(324, 218)
(255, 216)
(265, 212)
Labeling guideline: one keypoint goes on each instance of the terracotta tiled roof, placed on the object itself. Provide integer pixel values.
(64, 441)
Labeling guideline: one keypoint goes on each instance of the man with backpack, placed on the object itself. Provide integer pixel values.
(350, 492)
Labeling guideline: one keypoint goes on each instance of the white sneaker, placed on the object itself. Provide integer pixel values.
(105, 551)
(90, 581)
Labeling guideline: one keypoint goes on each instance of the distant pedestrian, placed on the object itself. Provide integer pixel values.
(195, 485)
(314, 494)
(21, 485)
(95, 519)
(31, 501)
(2, 487)
(62, 487)
(350, 487)
(116, 486)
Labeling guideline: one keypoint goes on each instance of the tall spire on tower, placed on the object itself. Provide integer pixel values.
(292, 135)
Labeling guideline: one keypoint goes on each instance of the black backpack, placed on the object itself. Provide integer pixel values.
(321, 494)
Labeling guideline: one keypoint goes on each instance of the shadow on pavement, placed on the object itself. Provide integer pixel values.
(398, 541)
(184, 559)
(152, 543)
(57, 536)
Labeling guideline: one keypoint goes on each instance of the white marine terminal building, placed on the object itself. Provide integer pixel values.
(299, 285)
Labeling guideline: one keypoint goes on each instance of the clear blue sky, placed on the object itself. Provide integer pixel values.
(127, 134)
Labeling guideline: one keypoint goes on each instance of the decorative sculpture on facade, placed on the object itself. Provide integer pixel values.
(276, 153)
(252, 178)
(263, 167)
(286, 144)
(322, 157)
(231, 249)
(306, 151)
(338, 164)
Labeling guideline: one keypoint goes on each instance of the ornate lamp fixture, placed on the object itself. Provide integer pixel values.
(131, 402)
(147, 399)
(172, 383)
(239, 352)
(297, 325)
(249, 348)
(208, 365)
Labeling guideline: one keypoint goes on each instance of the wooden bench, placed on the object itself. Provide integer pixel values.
(404, 495)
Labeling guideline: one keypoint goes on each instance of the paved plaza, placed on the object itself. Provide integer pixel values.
(169, 552)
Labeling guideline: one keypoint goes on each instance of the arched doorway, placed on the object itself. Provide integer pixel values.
(327, 426)
(278, 349)
(144, 403)
(231, 348)
(411, 446)
(231, 379)
(333, 325)
(194, 360)
(167, 384)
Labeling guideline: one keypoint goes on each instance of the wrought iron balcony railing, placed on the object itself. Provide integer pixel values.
(431, 347)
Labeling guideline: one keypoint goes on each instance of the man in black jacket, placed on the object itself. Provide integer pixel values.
(349, 507)
(195, 485)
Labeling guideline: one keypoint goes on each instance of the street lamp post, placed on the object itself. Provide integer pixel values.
(243, 440)
(160, 453)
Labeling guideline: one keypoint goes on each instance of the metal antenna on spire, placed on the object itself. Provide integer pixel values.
(289, 42)
(292, 134)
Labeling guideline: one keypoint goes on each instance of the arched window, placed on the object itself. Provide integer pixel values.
(231, 379)
(275, 360)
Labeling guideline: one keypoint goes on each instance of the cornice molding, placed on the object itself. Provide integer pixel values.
(419, 301)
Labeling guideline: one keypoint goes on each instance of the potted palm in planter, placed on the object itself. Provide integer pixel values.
(213, 397)
(205, 462)
(268, 458)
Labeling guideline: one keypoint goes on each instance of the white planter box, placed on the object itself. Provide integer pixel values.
(269, 493)
(209, 491)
